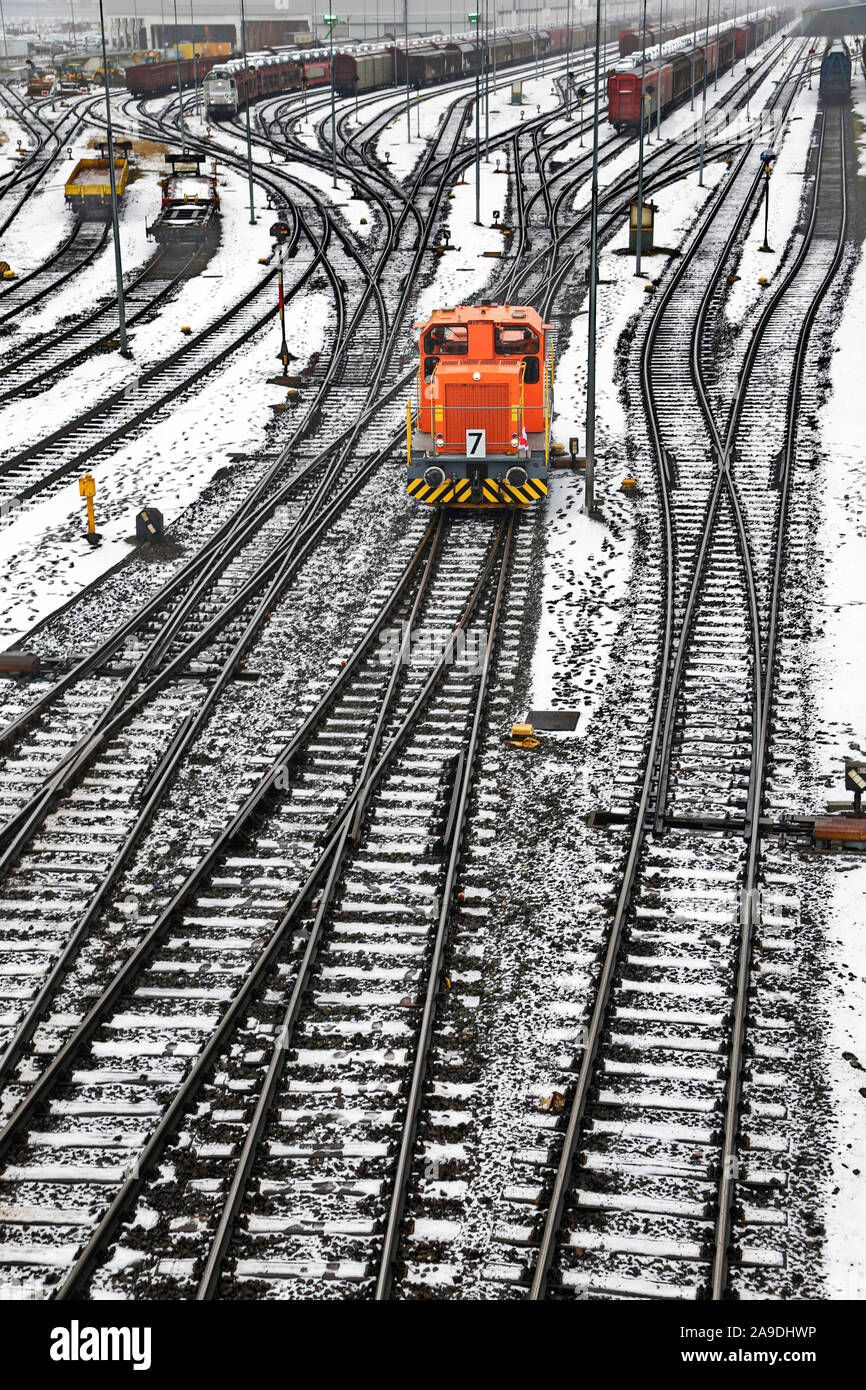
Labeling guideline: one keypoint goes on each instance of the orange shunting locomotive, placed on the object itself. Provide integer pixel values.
(479, 435)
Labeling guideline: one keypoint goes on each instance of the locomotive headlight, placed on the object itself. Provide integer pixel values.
(516, 477)
(434, 477)
(514, 441)
(440, 441)
(476, 376)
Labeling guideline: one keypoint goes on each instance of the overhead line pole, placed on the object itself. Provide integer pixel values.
(331, 20)
(637, 269)
(118, 262)
(487, 81)
(475, 18)
(406, 31)
(659, 78)
(179, 82)
(247, 108)
(194, 60)
(694, 54)
(704, 103)
(589, 486)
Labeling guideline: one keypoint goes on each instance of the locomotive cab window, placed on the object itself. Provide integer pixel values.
(509, 340)
(447, 339)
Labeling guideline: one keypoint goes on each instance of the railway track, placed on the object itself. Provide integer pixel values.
(200, 1002)
(79, 250)
(49, 140)
(319, 807)
(671, 1179)
(27, 372)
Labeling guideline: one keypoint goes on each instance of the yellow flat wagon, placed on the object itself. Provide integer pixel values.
(88, 190)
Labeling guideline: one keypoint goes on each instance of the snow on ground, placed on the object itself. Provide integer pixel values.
(12, 134)
(96, 281)
(232, 271)
(44, 557)
(841, 693)
(786, 194)
(356, 211)
(463, 273)
(403, 155)
(579, 551)
(539, 94)
(45, 222)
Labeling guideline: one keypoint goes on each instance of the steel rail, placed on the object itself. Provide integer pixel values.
(134, 1183)
(580, 1098)
(36, 352)
(153, 794)
(208, 1286)
(728, 1176)
(424, 1043)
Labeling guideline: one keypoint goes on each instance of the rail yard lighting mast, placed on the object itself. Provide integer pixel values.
(247, 108)
(659, 78)
(487, 80)
(194, 59)
(179, 82)
(3, 26)
(637, 269)
(406, 36)
(694, 56)
(331, 20)
(475, 18)
(118, 264)
(704, 102)
(568, 62)
(589, 494)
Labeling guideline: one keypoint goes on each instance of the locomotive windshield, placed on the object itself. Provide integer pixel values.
(449, 339)
(510, 340)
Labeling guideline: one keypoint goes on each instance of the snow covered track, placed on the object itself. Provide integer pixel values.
(49, 140)
(384, 740)
(266, 1005)
(26, 372)
(80, 249)
(671, 1180)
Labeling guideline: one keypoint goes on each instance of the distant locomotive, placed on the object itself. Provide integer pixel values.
(229, 86)
(835, 81)
(480, 436)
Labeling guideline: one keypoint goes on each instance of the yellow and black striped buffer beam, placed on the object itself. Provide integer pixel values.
(445, 493)
(505, 493)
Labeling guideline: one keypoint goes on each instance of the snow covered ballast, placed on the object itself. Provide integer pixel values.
(190, 202)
